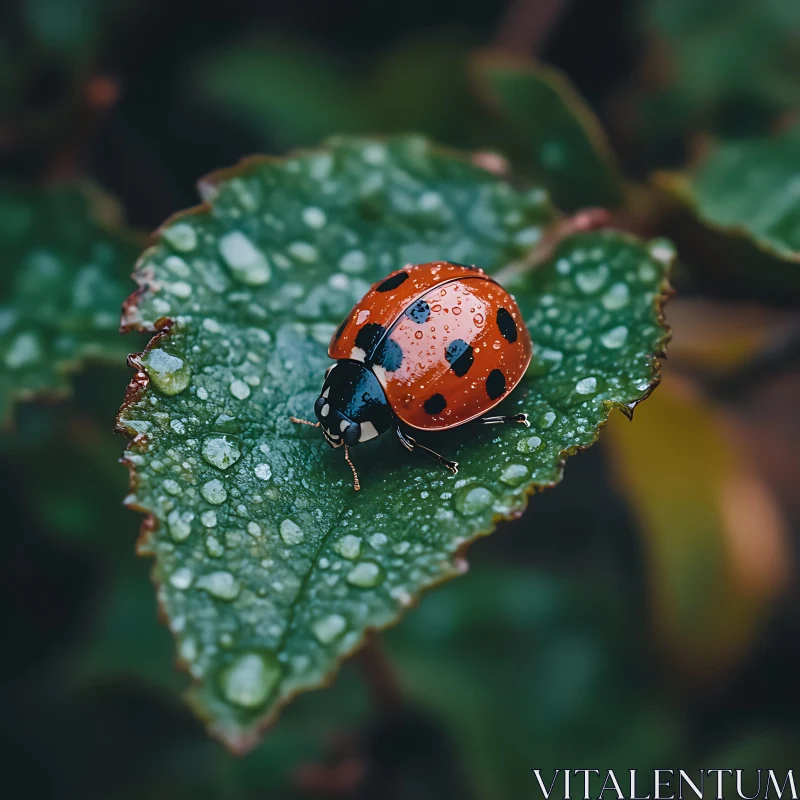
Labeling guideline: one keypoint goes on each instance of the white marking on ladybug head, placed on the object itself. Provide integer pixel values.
(368, 431)
(325, 410)
(380, 374)
(357, 354)
(326, 392)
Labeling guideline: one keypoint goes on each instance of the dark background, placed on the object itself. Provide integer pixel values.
(562, 648)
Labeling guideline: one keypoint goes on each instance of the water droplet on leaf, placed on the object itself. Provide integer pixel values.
(220, 452)
(249, 679)
(291, 532)
(514, 474)
(221, 585)
(247, 264)
(169, 373)
(214, 492)
(329, 628)
(472, 501)
(365, 575)
(348, 546)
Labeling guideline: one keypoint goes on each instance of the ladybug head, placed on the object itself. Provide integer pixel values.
(351, 407)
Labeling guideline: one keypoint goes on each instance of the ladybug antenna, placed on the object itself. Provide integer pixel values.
(356, 484)
(304, 422)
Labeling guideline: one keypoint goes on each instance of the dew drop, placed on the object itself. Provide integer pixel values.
(247, 264)
(314, 217)
(263, 472)
(291, 532)
(220, 452)
(181, 578)
(616, 297)
(181, 236)
(24, 350)
(529, 445)
(214, 492)
(430, 201)
(547, 419)
(586, 386)
(188, 650)
(329, 628)
(348, 546)
(615, 338)
(221, 585)
(179, 525)
(214, 547)
(591, 280)
(472, 501)
(354, 261)
(662, 250)
(514, 474)
(169, 373)
(240, 390)
(365, 575)
(179, 289)
(249, 679)
(303, 251)
(378, 540)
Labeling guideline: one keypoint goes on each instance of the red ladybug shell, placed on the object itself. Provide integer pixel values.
(446, 342)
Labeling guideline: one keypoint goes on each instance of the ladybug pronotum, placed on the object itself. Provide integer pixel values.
(430, 347)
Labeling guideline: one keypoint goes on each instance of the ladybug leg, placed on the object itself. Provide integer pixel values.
(412, 444)
(522, 418)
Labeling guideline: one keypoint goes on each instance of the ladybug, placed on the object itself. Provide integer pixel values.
(430, 347)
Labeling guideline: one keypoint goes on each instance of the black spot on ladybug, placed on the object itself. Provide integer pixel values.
(368, 337)
(495, 384)
(459, 356)
(420, 312)
(435, 404)
(389, 355)
(507, 325)
(379, 348)
(340, 330)
(393, 282)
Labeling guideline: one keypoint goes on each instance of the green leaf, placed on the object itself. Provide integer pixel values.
(725, 66)
(270, 567)
(562, 137)
(62, 284)
(292, 94)
(744, 196)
